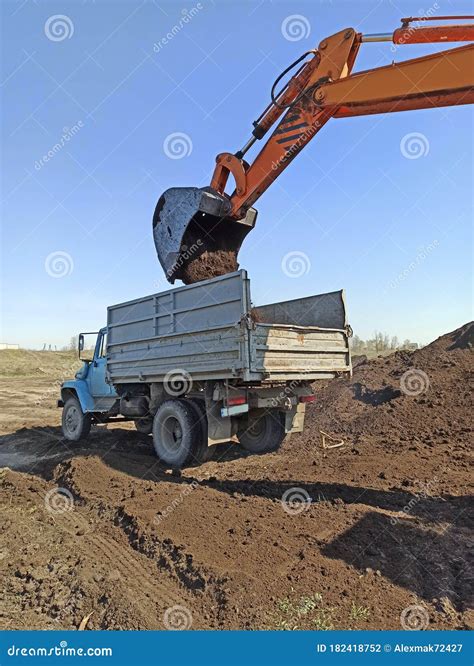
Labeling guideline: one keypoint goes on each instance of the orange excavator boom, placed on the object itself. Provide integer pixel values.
(323, 87)
(408, 34)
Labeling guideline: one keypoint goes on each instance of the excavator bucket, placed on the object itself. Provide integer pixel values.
(194, 236)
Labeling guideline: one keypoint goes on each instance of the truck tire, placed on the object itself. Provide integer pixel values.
(263, 433)
(144, 426)
(203, 451)
(75, 424)
(175, 436)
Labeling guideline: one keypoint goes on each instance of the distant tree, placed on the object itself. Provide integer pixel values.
(371, 344)
(374, 342)
(380, 341)
(357, 344)
(73, 343)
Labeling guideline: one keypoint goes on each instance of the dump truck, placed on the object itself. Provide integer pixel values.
(198, 365)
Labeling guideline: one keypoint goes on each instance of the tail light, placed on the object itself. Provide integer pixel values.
(307, 398)
(237, 400)
(236, 404)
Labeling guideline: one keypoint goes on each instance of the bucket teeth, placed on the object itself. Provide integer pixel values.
(195, 239)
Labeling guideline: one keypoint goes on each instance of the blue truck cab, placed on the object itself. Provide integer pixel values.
(88, 396)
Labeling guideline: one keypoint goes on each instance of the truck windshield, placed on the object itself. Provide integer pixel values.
(87, 342)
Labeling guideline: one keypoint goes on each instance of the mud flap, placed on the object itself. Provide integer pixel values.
(294, 419)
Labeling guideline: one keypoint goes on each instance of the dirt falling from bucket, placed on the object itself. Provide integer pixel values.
(210, 264)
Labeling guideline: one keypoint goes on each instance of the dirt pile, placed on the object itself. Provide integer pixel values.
(409, 400)
(383, 526)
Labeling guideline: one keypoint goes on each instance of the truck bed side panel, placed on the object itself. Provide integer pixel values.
(195, 329)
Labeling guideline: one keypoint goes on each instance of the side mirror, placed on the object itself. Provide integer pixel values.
(86, 345)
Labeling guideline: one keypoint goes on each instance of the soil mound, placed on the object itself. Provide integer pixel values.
(419, 397)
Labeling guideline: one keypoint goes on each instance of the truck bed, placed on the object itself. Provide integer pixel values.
(210, 331)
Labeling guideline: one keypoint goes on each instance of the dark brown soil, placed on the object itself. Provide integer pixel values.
(255, 316)
(209, 264)
(388, 525)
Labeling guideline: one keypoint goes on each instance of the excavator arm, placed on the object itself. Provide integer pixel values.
(323, 87)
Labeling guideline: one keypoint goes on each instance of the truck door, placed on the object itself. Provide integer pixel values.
(98, 386)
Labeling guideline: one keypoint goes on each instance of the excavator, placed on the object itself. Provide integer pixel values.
(198, 232)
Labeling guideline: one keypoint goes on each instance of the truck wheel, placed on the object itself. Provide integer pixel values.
(261, 434)
(144, 426)
(203, 451)
(75, 424)
(175, 436)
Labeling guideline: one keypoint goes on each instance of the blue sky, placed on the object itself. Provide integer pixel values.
(395, 232)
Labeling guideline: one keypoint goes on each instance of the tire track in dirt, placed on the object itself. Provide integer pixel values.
(172, 575)
(144, 579)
